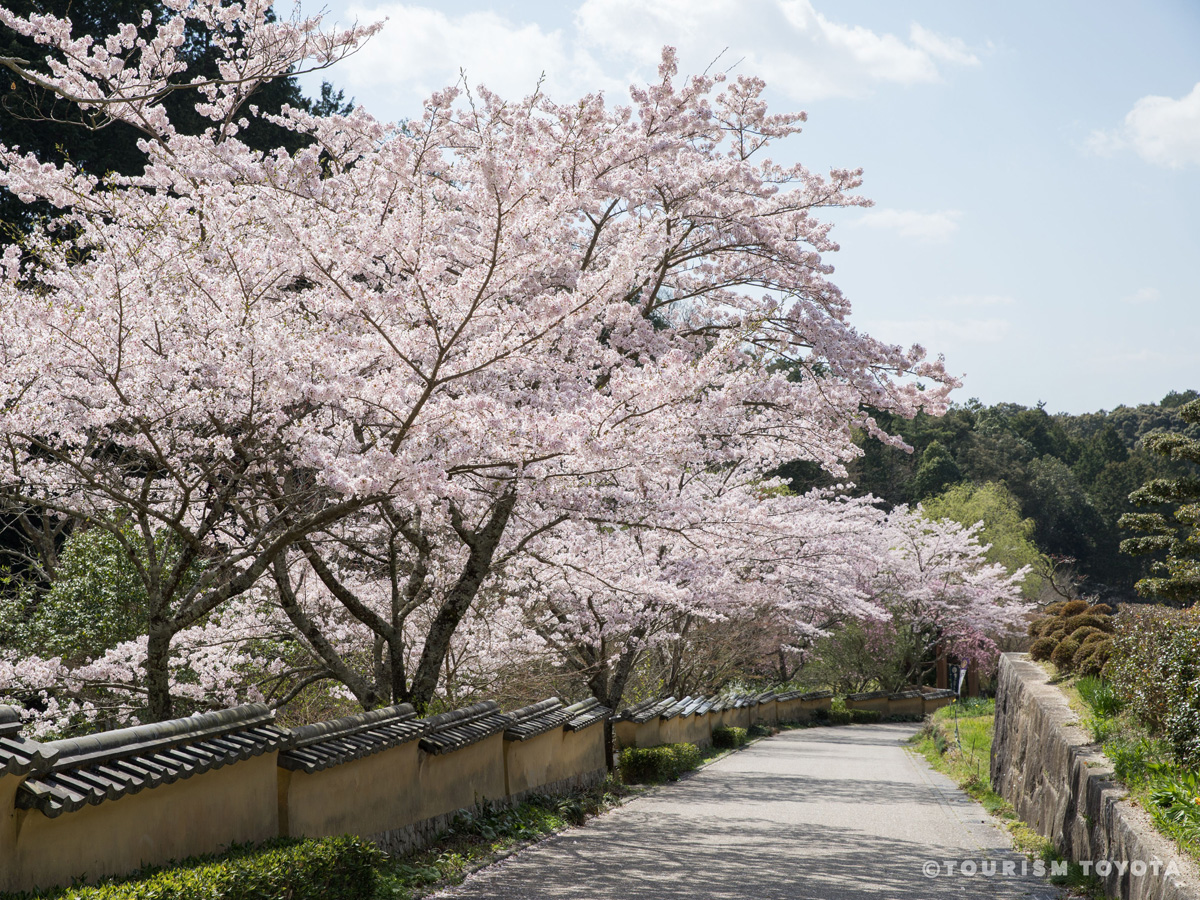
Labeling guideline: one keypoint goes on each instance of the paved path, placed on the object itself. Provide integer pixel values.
(814, 814)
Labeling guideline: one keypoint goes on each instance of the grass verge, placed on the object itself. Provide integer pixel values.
(957, 741)
(1142, 763)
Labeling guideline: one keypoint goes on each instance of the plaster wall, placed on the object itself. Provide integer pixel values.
(364, 796)
(906, 706)
(458, 780)
(237, 803)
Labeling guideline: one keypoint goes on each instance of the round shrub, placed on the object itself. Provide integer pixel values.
(1088, 620)
(1064, 653)
(1089, 659)
(1068, 626)
(1092, 664)
(1042, 648)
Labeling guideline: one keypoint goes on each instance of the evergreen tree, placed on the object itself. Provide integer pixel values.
(1176, 534)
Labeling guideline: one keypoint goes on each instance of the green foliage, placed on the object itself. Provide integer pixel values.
(937, 471)
(98, 598)
(334, 868)
(729, 738)
(1173, 800)
(1155, 668)
(1173, 535)
(652, 765)
(1071, 475)
(1010, 535)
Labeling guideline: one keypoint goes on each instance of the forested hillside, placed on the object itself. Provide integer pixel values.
(1070, 474)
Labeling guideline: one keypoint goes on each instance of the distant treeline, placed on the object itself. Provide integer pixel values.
(1071, 474)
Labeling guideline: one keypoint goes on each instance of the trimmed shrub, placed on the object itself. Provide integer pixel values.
(1065, 630)
(1064, 653)
(1155, 667)
(1089, 620)
(1090, 659)
(1042, 648)
(334, 868)
(650, 765)
(729, 738)
(864, 716)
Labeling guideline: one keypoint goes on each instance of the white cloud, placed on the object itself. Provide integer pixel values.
(795, 48)
(609, 44)
(1144, 295)
(1161, 130)
(941, 333)
(924, 226)
(952, 50)
(422, 49)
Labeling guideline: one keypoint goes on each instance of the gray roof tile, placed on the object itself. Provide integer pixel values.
(325, 744)
(585, 714)
(19, 756)
(111, 764)
(640, 713)
(459, 728)
(538, 718)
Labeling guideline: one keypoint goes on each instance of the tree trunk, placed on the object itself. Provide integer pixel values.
(158, 671)
(483, 544)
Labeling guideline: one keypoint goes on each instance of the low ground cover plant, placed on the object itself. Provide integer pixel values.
(335, 868)
(1133, 719)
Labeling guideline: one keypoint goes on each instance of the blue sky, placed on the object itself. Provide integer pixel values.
(1035, 166)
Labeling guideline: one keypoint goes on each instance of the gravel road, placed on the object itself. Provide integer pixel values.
(814, 814)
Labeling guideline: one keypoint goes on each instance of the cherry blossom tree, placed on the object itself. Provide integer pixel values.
(933, 580)
(394, 360)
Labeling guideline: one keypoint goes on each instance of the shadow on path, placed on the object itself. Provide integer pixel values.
(818, 814)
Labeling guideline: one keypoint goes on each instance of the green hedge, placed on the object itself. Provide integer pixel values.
(1155, 669)
(654, 764)
(729, 738)
(837, 714)
(337, 868)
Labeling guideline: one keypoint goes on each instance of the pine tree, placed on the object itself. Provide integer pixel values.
(1176, 577)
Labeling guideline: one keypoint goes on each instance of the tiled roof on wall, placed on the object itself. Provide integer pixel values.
(325, 744)
(585, 714)
(640, 713)
(538, 718)
(802, 695)
(939, 694)
(869, 695)
(459, 728)
(111, 764)
(19, 756)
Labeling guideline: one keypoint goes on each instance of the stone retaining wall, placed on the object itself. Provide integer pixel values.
(1060, 783)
